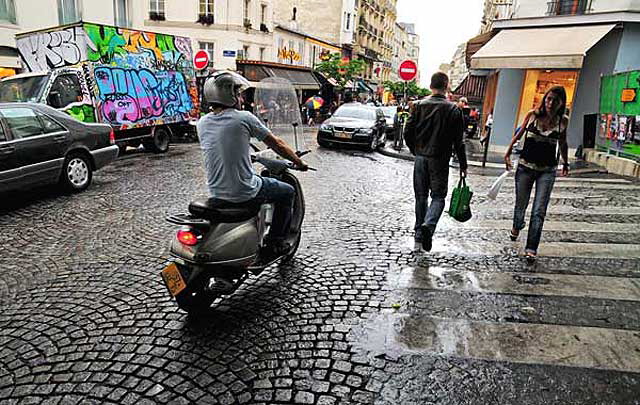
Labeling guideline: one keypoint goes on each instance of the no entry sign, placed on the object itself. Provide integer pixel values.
(408, 70)
(201, 60)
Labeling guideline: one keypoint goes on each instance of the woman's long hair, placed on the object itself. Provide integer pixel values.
(559, 91)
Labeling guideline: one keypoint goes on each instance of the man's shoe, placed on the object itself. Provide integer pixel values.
(427, 237)
(271, 252)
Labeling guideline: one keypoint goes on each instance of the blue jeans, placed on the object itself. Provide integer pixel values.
(525, 179)
(429, 175)
(281, 195)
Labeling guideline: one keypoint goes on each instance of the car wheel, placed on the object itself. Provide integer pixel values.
(159, 142)
(122, 149)
(323, 144)
(76, 173)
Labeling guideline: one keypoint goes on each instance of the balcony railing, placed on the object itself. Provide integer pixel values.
(568, 7)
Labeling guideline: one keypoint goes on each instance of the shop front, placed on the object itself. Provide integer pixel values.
(529, 61)
(619, 119)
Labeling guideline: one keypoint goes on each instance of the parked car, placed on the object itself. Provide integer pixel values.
(41, 145)
(354, 124)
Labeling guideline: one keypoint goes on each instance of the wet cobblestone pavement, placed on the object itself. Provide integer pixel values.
(359, 317)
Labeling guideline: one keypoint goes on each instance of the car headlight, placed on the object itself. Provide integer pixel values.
(325, 127)
(365, 131)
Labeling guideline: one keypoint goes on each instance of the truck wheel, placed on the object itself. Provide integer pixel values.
(159, 142)
(76, 173)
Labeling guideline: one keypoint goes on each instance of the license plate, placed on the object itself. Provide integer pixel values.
(173, 279)
(342, 135)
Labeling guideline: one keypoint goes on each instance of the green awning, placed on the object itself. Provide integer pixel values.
(364, 87)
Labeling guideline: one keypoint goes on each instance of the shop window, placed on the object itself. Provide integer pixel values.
(8, 11)
(537, 82)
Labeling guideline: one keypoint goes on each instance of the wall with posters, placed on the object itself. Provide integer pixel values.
(619, 127)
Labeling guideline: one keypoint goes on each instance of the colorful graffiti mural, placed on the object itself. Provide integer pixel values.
(128, 78)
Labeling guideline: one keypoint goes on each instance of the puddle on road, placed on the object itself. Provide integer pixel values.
(393, 335)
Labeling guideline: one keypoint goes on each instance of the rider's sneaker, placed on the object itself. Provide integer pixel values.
(273, 251)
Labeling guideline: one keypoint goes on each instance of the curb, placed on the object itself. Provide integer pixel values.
(409, 158)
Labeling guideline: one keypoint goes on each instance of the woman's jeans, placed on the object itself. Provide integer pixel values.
(281, 195)
(525, 179)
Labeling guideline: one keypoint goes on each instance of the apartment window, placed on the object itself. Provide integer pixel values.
(206, 7)
(156, 10)
(263, 13)
(8, 11)
(261, 54)
(209, 48)
(348, 21)
(245, 10)
(121, 8)
(245, 51)
(568, 7)
(68, 11)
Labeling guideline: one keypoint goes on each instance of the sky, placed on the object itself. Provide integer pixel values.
(442, 26)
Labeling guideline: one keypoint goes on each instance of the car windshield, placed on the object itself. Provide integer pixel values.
(355, 112)
(389, 112)
(22, 89)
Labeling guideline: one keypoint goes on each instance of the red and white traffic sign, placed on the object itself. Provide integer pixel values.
(201, 60)
(408, 70)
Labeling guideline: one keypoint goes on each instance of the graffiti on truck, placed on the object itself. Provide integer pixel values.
(48, 50)
(129, 95)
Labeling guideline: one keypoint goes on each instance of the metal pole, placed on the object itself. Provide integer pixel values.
(486, 148)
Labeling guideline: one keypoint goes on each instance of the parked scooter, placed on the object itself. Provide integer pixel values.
(218, 244)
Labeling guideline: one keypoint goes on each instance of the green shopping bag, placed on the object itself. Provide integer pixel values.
(460, 206)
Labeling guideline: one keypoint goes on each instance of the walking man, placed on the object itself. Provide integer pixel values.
(434, 129)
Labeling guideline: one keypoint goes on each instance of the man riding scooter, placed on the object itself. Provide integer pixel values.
(225, 135)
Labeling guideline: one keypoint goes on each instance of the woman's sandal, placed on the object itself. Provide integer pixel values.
(531, 257)
(514, 235)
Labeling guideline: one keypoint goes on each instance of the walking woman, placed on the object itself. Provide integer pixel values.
(545, 133)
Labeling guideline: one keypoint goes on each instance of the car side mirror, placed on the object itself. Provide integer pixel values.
(55, 99)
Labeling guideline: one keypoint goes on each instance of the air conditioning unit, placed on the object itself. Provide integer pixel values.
(247, 23)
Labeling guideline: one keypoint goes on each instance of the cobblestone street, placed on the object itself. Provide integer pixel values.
(359, 317)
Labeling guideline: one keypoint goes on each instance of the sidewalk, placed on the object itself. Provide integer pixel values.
(494, 160)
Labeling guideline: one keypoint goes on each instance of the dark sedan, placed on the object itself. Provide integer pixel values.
(41, 145)
(354, 124)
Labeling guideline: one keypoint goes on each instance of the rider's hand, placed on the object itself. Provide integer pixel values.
(463, 173)
(300, 165)
(507, 161)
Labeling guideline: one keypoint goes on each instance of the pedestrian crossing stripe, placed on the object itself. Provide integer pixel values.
(559, 226)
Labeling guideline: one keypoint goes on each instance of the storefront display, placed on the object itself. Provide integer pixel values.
(537, 82)
(619, 128)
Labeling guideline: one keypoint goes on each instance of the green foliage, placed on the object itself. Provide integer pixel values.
(340, 71)
(413, 90)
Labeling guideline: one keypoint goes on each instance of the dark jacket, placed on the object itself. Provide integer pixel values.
(435, 128)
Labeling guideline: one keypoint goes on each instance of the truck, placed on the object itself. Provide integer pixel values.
(141, 83)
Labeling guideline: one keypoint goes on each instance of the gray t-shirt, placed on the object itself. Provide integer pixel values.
(224, 139)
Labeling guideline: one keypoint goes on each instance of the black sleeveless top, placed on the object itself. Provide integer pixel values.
(540, 147)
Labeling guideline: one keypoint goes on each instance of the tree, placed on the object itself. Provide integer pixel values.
(413, 90)
(340, 69)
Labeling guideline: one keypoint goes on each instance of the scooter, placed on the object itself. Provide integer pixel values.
(219, 244)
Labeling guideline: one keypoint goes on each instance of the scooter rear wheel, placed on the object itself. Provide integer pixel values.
(195, 299)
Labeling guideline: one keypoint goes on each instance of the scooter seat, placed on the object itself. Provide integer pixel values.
(217, 210)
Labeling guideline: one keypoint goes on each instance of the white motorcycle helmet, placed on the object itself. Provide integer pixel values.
(224, 88)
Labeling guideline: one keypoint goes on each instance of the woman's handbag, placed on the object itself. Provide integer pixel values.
(460, 206)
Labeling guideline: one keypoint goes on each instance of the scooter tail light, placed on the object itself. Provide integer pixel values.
(188, 237)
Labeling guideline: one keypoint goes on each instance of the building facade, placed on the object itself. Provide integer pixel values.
(413, 45)
(300, 49)
(571, 43)
(400, 51)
